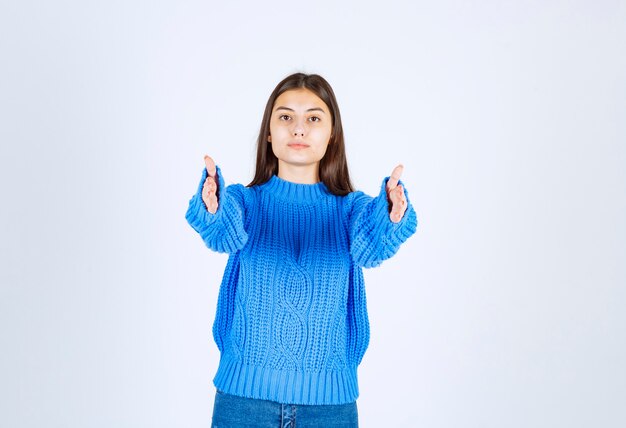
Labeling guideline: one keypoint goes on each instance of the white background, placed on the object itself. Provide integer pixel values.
(505, 309)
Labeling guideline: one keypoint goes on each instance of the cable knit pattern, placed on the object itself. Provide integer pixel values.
(291, 321)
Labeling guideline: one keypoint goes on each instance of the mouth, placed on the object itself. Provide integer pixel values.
(298, 145)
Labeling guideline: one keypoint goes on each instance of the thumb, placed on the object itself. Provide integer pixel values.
(210, 166)
(395, 177)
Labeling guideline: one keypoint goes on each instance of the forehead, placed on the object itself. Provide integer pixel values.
(300, 98)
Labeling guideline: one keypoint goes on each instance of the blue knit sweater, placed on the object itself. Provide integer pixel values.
(291, 321)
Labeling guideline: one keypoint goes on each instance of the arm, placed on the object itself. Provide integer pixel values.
(223, 231)
(373, 236)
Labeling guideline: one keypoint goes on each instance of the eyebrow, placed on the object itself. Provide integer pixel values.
(290, 109)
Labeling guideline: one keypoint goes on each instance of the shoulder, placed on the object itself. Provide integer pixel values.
(355, 197)
(239, 192)
(353, 201)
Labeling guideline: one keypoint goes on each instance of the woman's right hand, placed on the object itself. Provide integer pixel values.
(210, 188)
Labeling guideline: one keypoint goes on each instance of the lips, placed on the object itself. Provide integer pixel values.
(298, 145)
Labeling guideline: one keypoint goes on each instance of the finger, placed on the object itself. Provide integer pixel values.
(211, 170)
(211, 184)
(396, 195)
(399, 204)
(210, 165)
(392, 198)
(395, 177)
(212, 206)
(209, 194)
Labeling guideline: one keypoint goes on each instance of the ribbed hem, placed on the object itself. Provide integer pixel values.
(287, 386)
(296, 192)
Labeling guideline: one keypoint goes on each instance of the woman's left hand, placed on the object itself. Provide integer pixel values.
(395, 195)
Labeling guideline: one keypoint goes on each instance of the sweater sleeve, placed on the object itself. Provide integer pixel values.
(373, 236)
(223, 231)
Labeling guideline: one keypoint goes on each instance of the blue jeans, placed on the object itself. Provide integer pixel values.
(231, 411)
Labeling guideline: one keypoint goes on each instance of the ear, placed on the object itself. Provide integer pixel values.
(269, 138)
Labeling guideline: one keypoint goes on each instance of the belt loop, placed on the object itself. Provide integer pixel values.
(288, 416)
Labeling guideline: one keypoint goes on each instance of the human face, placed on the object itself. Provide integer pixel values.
(300, 129)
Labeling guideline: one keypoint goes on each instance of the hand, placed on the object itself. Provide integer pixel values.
(210, 188)
(395, 195)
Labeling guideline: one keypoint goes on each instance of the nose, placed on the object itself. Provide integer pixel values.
(298, 128)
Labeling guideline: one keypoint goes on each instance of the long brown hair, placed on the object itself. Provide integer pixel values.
(333, 167)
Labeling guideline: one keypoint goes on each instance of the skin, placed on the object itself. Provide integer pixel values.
(299, 116)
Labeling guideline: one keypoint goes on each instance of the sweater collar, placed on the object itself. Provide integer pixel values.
(295, 192)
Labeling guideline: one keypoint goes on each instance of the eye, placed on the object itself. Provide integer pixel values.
(315, 119)
(282, 116)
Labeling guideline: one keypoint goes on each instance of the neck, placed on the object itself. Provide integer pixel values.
(301, 174)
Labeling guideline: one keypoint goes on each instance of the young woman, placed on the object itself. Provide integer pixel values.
(291, 322)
